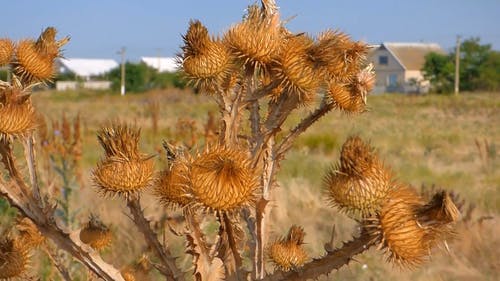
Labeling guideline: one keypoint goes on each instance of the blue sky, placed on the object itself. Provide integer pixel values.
(99, 28)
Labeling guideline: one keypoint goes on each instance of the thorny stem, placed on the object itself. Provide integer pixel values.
(287, 142)
(170, 270)
(331, 261)
(232, 241)
(63, 271)
(45, 221)
(29, 153)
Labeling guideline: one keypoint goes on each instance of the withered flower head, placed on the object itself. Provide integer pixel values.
(223, 179)
(257, 39)
(35, 59)
(17, 115)
(6, 51)
(172, 185)
(409, 229)
(14, 258)
(96, 234)
(30, 236)
(360, 183)
(287, 253)
(138, 271)
(206, 62)
(329, 52)
(297, 70)
(124, 169)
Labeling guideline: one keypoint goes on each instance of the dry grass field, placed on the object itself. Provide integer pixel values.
(444, 141)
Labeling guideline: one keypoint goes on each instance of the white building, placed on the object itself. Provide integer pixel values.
(86, 70)
(162, 64)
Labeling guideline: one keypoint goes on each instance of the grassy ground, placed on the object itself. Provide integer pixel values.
(448, 141)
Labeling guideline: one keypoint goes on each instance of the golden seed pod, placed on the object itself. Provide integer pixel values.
(14, 259)
(256, 40)
(124, 169)
(35, 59)
(287, 253)
(29, 236)
(96, 234)
(123, 176)
(405, 240)
(329, 52)
(360, 183)
(6, 51)
(206, 62)
(223, 179)
(172, 185)
(17, 115)
(121, 141)
(139, 271)
(297, 70)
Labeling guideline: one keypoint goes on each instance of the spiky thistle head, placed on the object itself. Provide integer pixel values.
(409, 228)
(256, 40)
(172, 185)
(296, 69)
(14, 258)
(138, 271)
(17, 114)
(223, 179)
(35, 59)
(124, 169)
(29, 235)
(206, 62)
(96, 234)
(360, 183)
(287, 253)
(6, 51)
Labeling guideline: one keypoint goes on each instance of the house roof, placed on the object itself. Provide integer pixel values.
(412, 55)
(161, 64)
(88, 67)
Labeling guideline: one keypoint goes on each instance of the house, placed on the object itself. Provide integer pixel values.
(398, 66)
(162, 64)
(86, 73)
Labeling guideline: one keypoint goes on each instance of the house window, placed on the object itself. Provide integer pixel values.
(383, 60)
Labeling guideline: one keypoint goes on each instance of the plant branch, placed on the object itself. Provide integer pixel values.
(304, 124)
(331, 261)
(63, 271)
(170, 270)
(46, 224)
(29, 153)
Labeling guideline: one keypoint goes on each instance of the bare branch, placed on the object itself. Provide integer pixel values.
(331, 261)
(304, 124)
(29, 154)
(170, 270)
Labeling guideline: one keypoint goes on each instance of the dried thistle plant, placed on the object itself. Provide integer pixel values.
(258, 73)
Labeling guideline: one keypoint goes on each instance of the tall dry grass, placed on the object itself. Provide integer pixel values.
(431, 141)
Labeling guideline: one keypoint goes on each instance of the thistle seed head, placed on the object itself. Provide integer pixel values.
(206, 62)
(17, 115)
(35, 59)
(256, 40)
(14, 258)
(287, 253)
(6, 51)
(296, 69)
(360, 183)
(172, 185)
(223, 179)
(96, 234)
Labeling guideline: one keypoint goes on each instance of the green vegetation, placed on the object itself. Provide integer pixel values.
(479, 68)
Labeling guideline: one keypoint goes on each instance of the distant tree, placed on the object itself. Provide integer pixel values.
(479, 68)
(140, 77)
(439, 70)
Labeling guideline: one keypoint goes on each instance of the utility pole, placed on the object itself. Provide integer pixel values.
(457, 66)
(122, 85)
